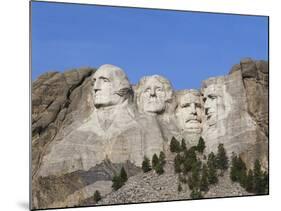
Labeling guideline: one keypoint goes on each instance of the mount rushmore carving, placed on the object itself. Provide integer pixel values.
(97, 115)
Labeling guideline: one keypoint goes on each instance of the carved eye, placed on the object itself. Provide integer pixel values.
(204, 99)
(212, 97)
(159, 89)
(186, 105)
(148, 90)
(105, 80)
(93, 82)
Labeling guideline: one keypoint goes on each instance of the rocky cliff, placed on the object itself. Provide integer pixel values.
(88, 123)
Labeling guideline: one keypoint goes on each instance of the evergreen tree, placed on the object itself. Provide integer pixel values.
(183, 145)
(212, 171)
(175, 145)
(250, 182)
(194, 178)
(259, 185)
(97, 196)
(177, 163)
(146, 165)
(201, 145)
(238, 170)
(233, 168)
(179, 188)
(162, 158)
(241, 172)
(196, 194)
(221, 158)
(116, 182)
(211, 160)
(159, 168)
(265, 182)
(123, 175)
(204, 183)
(119, 180)
(155, 161)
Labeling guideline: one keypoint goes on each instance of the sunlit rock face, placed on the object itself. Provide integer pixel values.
(87, 123)
(109, 132)
(189, 115)
(228, 115)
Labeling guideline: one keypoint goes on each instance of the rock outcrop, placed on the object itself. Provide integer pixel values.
(88, 123)
(236, 111)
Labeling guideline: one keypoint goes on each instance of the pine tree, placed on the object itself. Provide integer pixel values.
(201, 145)
(233, 168)
(116, 182)
(155, 161)
(259, 185)
(175, 145)
(177, 163)
(146, 165)
(221, 158)
(194, 179)
(250, 182)
(97, 196)
(123, 175)
(241, 172)
(238, 170)
(212, 171)
(159, 168)
(196, 194)
(179, 188)
(265, 182)
(183, 145)
(189, 159)
(204, 183)
(162, 158)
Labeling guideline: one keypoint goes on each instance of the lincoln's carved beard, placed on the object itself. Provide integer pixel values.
(189, 113)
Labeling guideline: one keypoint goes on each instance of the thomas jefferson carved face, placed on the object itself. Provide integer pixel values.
(154, 92)
(212, 102)
(109, 85)
(188, 112)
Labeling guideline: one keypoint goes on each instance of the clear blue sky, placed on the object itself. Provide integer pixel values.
(185, 47)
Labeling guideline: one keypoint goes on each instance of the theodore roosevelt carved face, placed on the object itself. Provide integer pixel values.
(189, 111)
(153, 94)
(110, 86)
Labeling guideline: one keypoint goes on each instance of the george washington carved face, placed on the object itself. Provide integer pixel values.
(189, 111)
(110, 86)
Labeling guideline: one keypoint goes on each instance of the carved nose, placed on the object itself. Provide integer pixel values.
(152, 93)
(193, 110)
(97, 86)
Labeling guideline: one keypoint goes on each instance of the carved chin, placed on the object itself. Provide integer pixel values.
(154, 108)
(193, 127)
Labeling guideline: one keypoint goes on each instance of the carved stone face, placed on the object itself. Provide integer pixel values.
(153, 96)
(189, 113)
(108, 80)
(212, 101)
